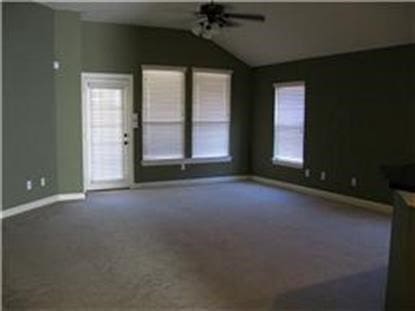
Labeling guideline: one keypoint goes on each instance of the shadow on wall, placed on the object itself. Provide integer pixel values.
(362, 291)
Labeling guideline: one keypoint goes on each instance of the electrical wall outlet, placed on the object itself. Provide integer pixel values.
(323, 176)
(43, 182)
(353, 182)
(28, 185)
(307, 173)
(183, 166)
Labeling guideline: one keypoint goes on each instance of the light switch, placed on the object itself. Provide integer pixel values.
(28, 185)
(56, 65)
(307, 173)
(353, 182)
(43, 182)
(323, 176)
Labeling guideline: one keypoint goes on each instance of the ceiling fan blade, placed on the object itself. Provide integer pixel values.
(228, 23)
(254, 17)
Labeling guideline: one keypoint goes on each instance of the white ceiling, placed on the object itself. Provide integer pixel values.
(292, 30)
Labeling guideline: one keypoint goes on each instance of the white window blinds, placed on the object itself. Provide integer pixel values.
(106, 130)
(289, 123)
(211, 114)
(163, 114)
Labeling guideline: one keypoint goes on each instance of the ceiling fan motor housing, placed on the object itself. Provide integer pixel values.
(211, 10)
(212, 16)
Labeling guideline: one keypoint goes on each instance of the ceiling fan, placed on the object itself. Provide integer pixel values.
(212, 17)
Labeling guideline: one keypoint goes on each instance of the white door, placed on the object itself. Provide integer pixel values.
(107, 109)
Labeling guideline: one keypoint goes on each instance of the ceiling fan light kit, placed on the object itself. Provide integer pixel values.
(206, 30)
(212, 18)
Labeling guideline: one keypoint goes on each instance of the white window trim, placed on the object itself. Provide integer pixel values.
(152, 162)
(290, 83)
(212, 70)
(226, 158)
(165, 162)
(163, 68)
(287, 162)
(169, 162)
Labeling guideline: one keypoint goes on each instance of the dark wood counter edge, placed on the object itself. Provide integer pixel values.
(407, 197)
(400, 177)
(401, 187)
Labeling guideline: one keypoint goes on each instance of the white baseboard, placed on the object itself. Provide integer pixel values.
(190, 181)
(40, 203)
(71, 196)
(374, 206)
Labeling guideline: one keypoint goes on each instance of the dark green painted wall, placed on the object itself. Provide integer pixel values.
(123, 49)
(68, 102)
(359, 115)
(360, 106)
(29, 123)
(411, 65)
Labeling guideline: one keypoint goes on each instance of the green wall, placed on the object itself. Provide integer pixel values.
(359, 116)
(123, 49)
(29, 123)
(68, 102)
(42, 107)
(360, 106)
(411, 66)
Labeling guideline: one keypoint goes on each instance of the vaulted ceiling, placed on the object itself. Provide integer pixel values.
(291, 31)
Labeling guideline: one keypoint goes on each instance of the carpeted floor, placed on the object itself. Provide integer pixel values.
(230, 246)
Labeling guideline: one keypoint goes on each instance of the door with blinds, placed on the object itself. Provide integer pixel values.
(107, 108)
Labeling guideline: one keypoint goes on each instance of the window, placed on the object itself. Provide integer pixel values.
(211, 113)
(289, 124)
(163, 113)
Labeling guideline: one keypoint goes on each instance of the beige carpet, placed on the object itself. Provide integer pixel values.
(231, 246)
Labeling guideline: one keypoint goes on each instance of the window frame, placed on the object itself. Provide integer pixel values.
(172, 161)
(286, 162)
(228, 156)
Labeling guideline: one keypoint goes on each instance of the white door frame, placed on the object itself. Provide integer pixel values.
(127, 80)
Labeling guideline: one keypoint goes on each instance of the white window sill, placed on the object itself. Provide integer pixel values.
(185, 161)
(287, 163)
(208, 160)
(162, 162)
